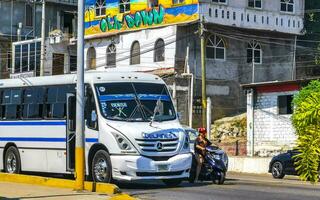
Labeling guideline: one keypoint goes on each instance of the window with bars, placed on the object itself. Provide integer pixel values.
(254, 3)
(215, 48)
(124, 6)
(254, 52)
(100, 8)
(111, 55)
(287, 5)
(159, 49)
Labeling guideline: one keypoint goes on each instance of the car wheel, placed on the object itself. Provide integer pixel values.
(12, 162)
(101, 167)
(277, 170)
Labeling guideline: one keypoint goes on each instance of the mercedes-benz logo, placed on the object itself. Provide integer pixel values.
(159, 146)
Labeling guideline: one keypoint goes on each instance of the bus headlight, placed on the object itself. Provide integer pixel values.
(123, 143)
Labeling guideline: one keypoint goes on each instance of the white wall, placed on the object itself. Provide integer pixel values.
(273, 133)
(123, 42)
(269, 17)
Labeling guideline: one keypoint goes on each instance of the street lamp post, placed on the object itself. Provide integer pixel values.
(80, 101)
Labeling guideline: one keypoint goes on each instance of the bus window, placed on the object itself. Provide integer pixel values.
(56, 101)
(33, 103)
(11, 102)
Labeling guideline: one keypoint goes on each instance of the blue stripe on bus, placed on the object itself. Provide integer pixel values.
(92, 140)
(37, 139)
(120, 97)
(127, 97)
(32, 123)
(154, 97)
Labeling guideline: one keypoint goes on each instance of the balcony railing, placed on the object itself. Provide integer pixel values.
(252, 18)
(70, 2)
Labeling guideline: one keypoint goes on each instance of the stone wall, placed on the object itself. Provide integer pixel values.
(273, 133)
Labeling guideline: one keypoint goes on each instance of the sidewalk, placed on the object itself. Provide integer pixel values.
(267, 178)
(16, 191)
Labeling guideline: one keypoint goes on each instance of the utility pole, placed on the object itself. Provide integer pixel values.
(80, 101)
(43, 35)
(203, 72)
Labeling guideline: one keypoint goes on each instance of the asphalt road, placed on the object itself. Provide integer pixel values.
(237, 186)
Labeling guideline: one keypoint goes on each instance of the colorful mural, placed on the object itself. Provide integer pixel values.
(112, 16)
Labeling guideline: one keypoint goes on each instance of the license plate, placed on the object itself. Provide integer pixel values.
(162, 167)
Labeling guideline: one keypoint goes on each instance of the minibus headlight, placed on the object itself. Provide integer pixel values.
(186, 145)
(123, 143)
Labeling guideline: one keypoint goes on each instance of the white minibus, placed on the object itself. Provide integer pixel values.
(132, 131)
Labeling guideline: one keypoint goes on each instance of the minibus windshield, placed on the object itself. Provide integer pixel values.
(135, 102)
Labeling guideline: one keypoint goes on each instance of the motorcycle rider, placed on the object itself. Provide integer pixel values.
(200, 145)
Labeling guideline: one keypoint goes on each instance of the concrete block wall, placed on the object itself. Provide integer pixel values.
(273, 133)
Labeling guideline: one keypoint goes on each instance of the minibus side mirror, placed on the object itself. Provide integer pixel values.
(92, 122)
(93, 116)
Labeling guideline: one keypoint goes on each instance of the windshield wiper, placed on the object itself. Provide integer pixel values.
(138, 102)
(157, 108)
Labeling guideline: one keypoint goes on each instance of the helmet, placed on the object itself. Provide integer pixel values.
(202, 130)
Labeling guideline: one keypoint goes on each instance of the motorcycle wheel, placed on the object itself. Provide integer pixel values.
(219, 179)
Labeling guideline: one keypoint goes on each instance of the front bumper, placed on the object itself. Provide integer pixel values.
(125, 167)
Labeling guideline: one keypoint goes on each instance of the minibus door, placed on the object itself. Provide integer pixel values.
(70, 133)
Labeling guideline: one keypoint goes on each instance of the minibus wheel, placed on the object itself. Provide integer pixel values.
(101, 167)
(12, 161)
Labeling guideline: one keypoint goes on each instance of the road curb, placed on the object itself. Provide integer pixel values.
(122, 197)
(109, 189)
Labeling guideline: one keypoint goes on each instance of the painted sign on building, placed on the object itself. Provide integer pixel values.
(112, 16)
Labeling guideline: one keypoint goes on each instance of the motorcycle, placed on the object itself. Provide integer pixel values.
(214, 168)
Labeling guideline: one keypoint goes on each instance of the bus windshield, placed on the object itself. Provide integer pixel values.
(135, 102)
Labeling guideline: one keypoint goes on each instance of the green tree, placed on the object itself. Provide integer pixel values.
(306, 120)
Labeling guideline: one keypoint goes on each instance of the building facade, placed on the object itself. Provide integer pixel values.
(21, 20)
(269, 111)
(246, 41)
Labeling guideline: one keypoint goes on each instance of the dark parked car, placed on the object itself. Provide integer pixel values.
(283, 164)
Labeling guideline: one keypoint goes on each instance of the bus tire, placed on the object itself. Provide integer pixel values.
(101, 170)
(12, 161)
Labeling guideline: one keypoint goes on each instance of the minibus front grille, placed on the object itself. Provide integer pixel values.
(152, 145)
(177, 173)
(159, 158)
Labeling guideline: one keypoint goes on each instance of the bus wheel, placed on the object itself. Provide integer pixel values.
(101, 167)
(12, 162)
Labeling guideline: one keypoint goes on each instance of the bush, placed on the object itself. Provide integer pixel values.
(306, 120)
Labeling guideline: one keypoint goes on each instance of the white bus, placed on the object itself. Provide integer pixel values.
(132, 131)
